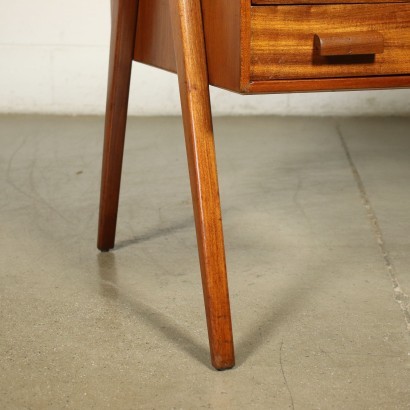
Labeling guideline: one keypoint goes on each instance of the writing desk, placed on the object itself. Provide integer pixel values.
(248, 47)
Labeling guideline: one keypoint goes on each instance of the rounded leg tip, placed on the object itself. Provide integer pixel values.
(222, 369)
(222, 365)
(104, 247)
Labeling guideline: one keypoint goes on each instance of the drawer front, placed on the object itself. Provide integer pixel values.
(283, 41)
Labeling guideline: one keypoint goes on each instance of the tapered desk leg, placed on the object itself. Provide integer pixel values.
(196, 109)
(124, 21)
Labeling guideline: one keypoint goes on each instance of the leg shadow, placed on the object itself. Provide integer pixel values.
(109, 288)
(157, 233)
(292, 300)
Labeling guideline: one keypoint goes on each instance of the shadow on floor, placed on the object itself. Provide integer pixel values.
(107, 271)
(252, 340)
(187, 223)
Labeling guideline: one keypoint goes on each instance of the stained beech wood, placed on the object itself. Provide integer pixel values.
(354, 43)
(124, 18)
(223, 22)
(328, 84)
(282, 41)
(250, 47)
(154, 42)
(260, 48)
(227, 26)
(194, 90)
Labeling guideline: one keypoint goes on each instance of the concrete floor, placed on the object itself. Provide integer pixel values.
(317, 221)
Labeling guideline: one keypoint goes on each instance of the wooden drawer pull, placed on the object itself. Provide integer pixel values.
(354, 43)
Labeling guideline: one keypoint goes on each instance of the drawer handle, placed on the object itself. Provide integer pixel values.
(355, 43)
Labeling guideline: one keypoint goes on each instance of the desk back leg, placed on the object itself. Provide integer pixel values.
(196, 110)
(124, 21)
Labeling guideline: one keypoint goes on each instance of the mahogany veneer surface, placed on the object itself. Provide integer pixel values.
(258, 47)
(282, 40)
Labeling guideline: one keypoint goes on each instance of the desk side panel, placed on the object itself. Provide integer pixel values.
(225, 29)
(154, 44)
(223, 36)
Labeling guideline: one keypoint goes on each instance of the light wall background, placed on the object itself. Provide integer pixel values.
(54, 59)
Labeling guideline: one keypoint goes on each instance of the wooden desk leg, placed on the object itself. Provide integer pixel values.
(196, 109)
(124, 22)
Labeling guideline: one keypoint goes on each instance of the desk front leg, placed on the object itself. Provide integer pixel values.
(196, 110)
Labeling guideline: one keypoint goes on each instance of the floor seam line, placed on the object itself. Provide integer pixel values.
(292, 403)
(399, 295)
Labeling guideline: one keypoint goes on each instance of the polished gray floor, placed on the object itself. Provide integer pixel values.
(317, 221)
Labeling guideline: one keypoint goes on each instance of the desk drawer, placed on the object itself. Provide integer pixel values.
(268, 48)
(282, 40)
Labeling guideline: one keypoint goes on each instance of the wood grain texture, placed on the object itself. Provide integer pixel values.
(124, 18)
(282, 40)
(226, 23)
(196, 109)
(328, 84)
(281, 45)
(154, 44)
